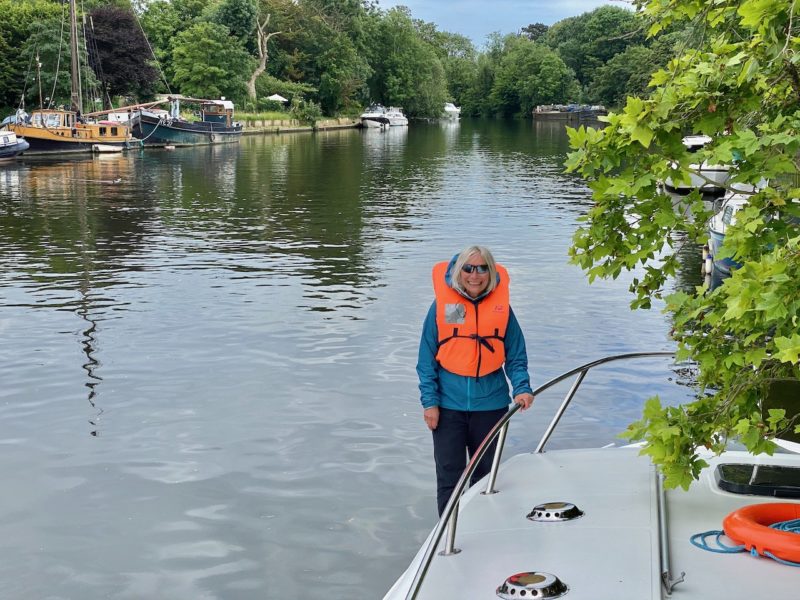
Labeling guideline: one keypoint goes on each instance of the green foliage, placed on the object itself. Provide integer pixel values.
(626, 74)
(266, 85)
(209, 63)
(590, 40)
(20, 21)
(239, 16)
(344, 75)
(530, 74)
(407, 73)
(306, 111)
(740, 85)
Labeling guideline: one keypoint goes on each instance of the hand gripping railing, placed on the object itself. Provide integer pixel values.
(449, 518)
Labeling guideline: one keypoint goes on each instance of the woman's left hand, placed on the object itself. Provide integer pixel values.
(524, 400)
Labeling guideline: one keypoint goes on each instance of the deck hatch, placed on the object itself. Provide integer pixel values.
(554, 512)
(532, 584)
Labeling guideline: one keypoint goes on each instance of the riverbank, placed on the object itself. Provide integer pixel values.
(253, 127)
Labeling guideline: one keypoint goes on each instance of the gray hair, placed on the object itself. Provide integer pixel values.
(462, 259)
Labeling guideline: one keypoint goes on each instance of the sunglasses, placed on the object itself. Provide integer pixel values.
(481, 269)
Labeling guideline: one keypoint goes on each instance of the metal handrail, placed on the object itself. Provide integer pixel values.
(449, 517)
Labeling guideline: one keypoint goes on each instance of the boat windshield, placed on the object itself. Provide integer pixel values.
(47, 119)
(727, 215)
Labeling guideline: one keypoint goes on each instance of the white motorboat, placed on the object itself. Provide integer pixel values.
(11, 145)
(380, 116)
(709, 179)
(374, 117)
(396, 117)
(598, 523)
(451, 111)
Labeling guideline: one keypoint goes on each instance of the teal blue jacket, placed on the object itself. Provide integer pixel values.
(439, 387)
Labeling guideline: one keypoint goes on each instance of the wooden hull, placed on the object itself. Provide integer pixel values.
(65, 140)
(154, 131)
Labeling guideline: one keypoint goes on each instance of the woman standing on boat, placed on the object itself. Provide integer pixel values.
(471, 341)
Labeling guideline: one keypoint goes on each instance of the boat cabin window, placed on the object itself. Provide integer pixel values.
(113, 131)
(759, 480)
(102, 131)
(5, 139)
(46, 120)
(727, 215)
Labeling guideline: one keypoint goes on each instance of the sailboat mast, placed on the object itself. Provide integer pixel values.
(75, 98)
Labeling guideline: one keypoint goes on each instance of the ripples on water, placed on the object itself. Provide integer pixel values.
(208, 354)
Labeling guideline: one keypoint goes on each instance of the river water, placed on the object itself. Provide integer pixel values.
(208, 386)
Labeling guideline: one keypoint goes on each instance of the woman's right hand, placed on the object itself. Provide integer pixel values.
(431, 416)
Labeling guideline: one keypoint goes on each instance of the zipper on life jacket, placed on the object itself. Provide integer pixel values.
(477, 342)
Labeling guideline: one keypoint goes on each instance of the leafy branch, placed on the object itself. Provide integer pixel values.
(739, 86)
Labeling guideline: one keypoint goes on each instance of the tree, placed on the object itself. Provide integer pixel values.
(407, 71)
(209, 62)
(626, 74)
(262, 39)
(535, 31)
(239, 16)
(120, 52)
(530, 74)
(588, 41)
(741, 86)
(344, 75)
(17, 51)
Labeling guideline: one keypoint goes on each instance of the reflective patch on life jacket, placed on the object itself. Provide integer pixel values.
(454, 314)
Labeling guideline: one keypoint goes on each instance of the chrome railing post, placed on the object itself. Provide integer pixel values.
(564, 403)
(498, 452)
(450, 538)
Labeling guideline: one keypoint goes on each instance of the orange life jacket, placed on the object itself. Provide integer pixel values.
(471, 334)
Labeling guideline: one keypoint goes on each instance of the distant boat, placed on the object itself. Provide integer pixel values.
(11, 146)
(105, 149)
(451, 111)
(709, 179)
(216, 124)
(724, 218)
(60, 131)
(734, 201)
(379, 116)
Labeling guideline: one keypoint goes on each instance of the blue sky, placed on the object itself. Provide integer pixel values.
(478, 18)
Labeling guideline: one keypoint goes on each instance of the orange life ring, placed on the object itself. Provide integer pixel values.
(750, 526)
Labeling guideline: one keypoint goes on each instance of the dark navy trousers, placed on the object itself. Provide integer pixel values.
(460, 432)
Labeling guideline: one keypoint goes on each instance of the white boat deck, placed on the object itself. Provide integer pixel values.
(613, 550)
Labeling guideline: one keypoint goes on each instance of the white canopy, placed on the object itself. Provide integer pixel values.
(277, 98)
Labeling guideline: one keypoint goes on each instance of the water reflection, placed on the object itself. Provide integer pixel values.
(245, 321)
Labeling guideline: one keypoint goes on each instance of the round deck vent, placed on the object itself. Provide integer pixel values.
(555, 511)
(532, 585)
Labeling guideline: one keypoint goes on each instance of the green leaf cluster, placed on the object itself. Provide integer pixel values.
(739, 83)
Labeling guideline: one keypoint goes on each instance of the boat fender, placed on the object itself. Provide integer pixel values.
(770, 529)
(212, 137)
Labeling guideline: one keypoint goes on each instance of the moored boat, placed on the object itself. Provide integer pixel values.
(374, 117)
(215, 124)
(65, 131)
(58, 131)
(380, 116)
(599, 523)
(11, 146)
(451, 111)
(709, 179)
(722, 219)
